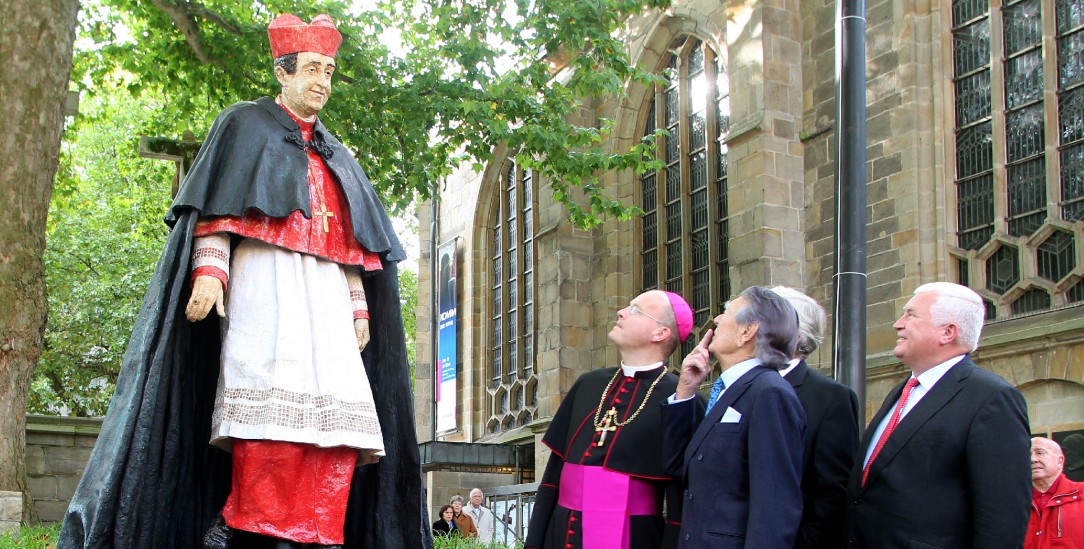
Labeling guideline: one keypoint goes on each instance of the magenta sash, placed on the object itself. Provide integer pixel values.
(606, 499)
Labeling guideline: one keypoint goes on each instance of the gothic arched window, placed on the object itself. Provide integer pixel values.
(513, 386)
(684, 226)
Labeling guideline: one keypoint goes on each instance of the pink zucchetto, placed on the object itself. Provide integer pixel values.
(683, 314)
(289, 34)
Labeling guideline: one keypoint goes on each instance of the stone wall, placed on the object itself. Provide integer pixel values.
(11, 510)
(57, 450)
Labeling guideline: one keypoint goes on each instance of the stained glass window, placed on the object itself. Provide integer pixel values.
(684, 226)
(1039, 184)
(513, 387)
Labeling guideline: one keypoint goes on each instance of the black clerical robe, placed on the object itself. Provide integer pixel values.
(633, 449)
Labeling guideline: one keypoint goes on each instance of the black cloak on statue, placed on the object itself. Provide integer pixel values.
(153, 479)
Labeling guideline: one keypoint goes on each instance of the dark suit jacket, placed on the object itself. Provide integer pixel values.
(831, 443)
(441, 528)
(955, 473)
(742, 478)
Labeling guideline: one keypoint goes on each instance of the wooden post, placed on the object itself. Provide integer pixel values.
(182, 152)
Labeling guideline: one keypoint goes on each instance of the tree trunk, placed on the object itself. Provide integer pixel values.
(36, 39)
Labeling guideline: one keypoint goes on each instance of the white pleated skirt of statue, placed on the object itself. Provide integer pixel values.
(291, 370)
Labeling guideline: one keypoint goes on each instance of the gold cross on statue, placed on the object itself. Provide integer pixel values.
(607, 425)
(325, 213)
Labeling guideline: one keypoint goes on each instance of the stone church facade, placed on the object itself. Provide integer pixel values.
(975, 174)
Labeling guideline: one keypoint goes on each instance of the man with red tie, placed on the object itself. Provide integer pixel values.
(944, 463)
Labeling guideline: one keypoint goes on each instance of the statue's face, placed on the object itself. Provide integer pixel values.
(306, 90)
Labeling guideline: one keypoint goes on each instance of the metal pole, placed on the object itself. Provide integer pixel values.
(850, 277)
(434, 311)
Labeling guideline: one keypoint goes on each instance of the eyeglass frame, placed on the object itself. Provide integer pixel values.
(634, 310)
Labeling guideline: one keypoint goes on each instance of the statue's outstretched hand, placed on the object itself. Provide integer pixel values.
(206, 293)
(361, 329)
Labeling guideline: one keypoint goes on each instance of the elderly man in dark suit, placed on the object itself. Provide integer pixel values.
(741, 459)
(831, 434)
(945, 462)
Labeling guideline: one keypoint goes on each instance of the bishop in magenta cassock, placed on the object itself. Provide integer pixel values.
(605, 482)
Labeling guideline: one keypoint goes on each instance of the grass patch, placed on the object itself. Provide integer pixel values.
(31, 537)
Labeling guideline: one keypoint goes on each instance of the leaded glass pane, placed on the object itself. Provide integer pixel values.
(1002, 270)
(972, 98)
(698, 171)
(1024, 132)
(1056, 256)
(974, 150)
(1072, 182)
(722, 115)
(971, 47)
(696, 58)
(673, 263)
(701, 298)
(647, 192)
(650, 230)
(672, 147)
(1023, 26)
(1035, 299)
(1071, 116)
(700, 250)
(700, 209)
(966, 10)
(964, 268)
(651, 269)
(975, 210)
(673, 182)
(721, 164)
(1071, 59)
(1070, 14)
(528, 288)
(670, 97)
(1027, 196)
(673, 221)
(1024, 78)
(1076, 293)
(991, 310)
(697, 130)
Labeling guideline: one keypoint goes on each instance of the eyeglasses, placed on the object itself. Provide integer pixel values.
(634, 310)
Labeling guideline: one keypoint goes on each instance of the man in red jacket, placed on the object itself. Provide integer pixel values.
(1057, 504)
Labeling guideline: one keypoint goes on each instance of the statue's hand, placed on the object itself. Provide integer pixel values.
(361, 329)
(206, 293)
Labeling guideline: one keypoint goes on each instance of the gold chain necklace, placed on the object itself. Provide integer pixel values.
(609, 421)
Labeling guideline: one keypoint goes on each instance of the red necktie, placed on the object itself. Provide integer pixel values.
(892, 423)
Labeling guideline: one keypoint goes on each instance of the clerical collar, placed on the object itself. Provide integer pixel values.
(307, 120)
(631, 371)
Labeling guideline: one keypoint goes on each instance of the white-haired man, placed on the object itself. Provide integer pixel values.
(944, 462)
(483, 517)
(831, 433)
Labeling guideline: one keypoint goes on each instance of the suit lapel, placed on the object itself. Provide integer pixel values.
(943, 392)
(796, 377)
(730, 396)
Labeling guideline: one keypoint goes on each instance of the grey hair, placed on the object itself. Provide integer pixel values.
(777, 325)
(473, 490)
(959, 305)
(811, 319)
(456, 498)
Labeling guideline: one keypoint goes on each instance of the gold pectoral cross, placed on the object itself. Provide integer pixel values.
(325, 213)
(607, 425)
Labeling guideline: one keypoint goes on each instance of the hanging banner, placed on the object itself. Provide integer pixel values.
(446, 372)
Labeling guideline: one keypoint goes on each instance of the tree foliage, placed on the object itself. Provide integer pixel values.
(472, 74)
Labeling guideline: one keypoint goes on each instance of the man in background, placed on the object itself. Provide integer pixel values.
(1057, 503)
(482, 517)
(831, 433)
